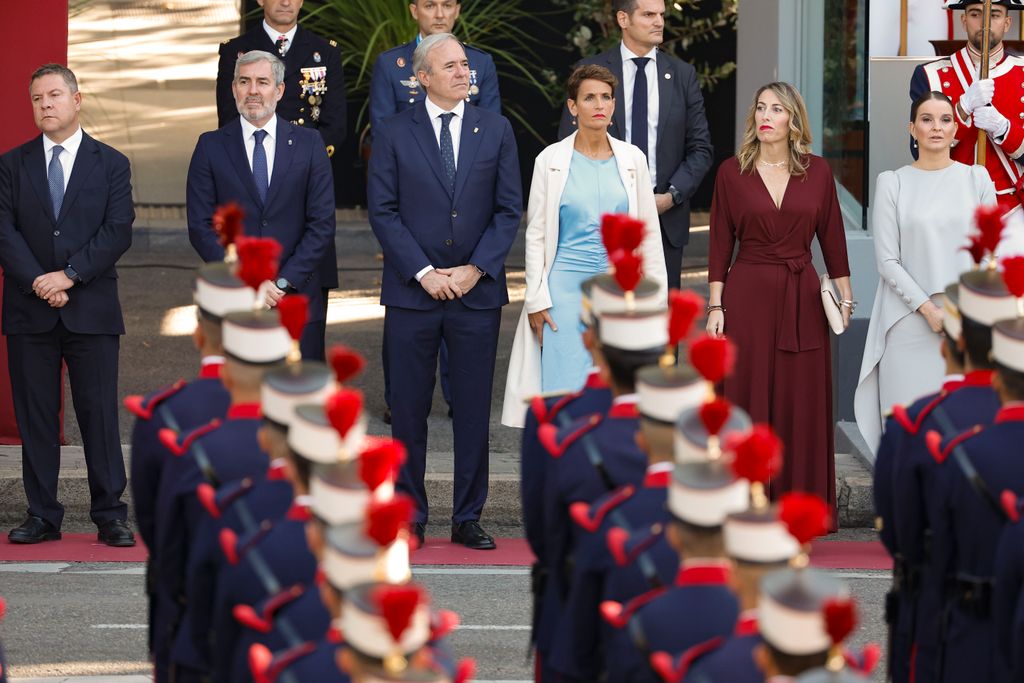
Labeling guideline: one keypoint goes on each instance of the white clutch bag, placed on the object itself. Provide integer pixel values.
(830, 302)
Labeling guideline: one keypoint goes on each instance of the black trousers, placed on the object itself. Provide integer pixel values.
(673, 262)
(313, 342)
(34, 362)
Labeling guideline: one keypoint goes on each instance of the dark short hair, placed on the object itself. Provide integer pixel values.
(589, 72)
(928, 97)
(956, 354)
(794, 665)
(623, 365)
(1013, 381)
(626, 6)
(977, 343)
(60, 70)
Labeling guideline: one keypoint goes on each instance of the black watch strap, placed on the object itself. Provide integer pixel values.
(72, 274)
(677, 196)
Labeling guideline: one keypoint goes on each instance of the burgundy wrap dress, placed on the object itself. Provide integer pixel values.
(774, 314)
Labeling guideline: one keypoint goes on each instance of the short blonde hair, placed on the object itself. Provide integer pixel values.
(799, 130)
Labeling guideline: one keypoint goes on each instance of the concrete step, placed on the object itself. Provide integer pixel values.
(503, 510)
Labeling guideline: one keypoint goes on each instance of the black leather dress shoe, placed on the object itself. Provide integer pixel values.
(419, 530)
(472, 535)
(34, 530)
(117, 534)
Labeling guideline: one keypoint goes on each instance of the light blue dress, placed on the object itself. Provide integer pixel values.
(592, 189)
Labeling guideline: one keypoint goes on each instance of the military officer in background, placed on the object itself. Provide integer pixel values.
(314, 85)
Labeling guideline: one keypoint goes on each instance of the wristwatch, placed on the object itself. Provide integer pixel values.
(677, 196)
(283, 284)
(72, 274)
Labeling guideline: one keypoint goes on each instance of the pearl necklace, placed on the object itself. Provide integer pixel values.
(779, 164)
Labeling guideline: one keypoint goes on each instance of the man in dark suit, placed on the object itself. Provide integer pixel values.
(314, 92)
(66, 217)
(668, 123)
(280, 175)
(445, 202)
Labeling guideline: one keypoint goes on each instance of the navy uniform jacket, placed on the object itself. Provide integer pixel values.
(594, 397)
(308, 58)
(394, 88)
(638, 516)
(966, 536)
(1006, 598)
(572, 477)
(92, 231)
(733, 661)
(298, 211)
(298, 613)
(181, 407)
(914, 494)
(653, 623)
(219, 452)
(281, 553)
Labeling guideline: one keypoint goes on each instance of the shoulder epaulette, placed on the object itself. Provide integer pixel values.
(548, 434)
(263, 621)
(215, 501)
(539, 405)
(333, 43)
(671, 671)
(913, 426)
(934, 442)
(624, 553)
(267, 667)
(589, 517)
(618, 615)
(143, 409)
(1011, 506)
(442, 622)
(169, 438)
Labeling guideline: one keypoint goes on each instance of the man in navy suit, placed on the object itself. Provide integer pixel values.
(445, 203)
(66, 217)
(664, 117)
(280, 175)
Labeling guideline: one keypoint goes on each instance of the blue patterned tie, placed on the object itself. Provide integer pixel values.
(447, 150)
(638, 134)
(55, 174)
(259, 165)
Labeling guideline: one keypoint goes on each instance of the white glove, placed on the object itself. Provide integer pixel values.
(991, 121)
(978, 95)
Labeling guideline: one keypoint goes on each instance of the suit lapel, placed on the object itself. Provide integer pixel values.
(35, 167)
(235, 148)
(423, 131)
(88, 151)
(666, 90)
(297, 51)
(613, 60)
(284, 152)
(469, 143)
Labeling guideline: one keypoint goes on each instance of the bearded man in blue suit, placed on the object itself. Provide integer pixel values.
(445, 203)
(280, 174)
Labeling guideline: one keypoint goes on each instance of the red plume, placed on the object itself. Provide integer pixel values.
(343, 408)
(805, 515)
(347, 363)
(975, 249)
(257, 260)
(380, 461)
(611, 231)
(397, 604)
(684, 307)
(628, 267)
(294, 312)
(840, 618)
(1013, 275)
(465, 670)
(444, 621)
(631, 233)
(260, 658)
(989, 220)
(714, 357)
(714, 414)
(385, 519)
(227, 221)
(758, 456)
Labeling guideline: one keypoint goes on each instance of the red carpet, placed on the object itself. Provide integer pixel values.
(514, 552)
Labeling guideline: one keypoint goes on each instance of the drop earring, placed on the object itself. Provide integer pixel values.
(915, 143)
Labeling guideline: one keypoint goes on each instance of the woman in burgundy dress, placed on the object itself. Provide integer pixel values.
(774, 197)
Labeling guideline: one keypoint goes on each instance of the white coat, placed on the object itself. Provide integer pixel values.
(550, 174)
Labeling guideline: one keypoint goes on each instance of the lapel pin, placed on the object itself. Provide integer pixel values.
(668, 77)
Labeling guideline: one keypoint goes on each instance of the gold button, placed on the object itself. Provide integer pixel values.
(302, 121)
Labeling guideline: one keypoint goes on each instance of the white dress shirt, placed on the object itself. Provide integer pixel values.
(269, 142)
(275, 34)
(455, 127)
(628, 79)
(67, 157)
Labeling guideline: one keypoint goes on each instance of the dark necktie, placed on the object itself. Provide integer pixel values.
(282, 45)
(638, 135)
(55, 175)
(259, 165)
(447, 150)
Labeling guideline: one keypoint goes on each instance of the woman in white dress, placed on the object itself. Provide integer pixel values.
(922, 215)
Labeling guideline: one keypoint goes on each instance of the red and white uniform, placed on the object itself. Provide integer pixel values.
(953, 76)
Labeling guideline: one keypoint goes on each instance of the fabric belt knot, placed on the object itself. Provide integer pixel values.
(802, 320)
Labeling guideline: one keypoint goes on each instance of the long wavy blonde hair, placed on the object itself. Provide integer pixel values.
(799, 130)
